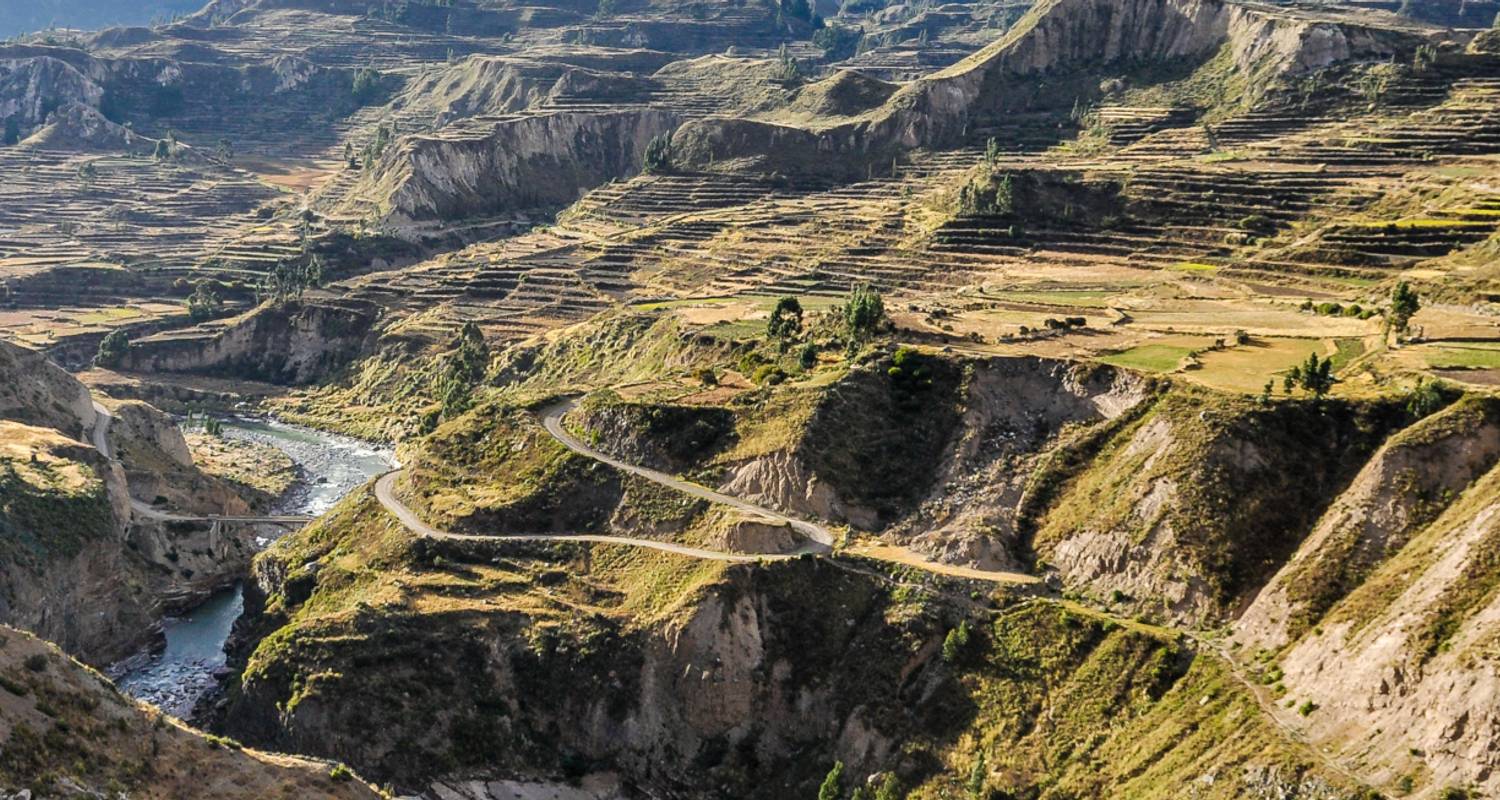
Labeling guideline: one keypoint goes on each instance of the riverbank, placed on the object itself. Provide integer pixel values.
(189, 663)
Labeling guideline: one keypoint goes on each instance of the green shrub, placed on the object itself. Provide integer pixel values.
(1307, 707)
(830, 789)
(13, 686)
(808, 358)
(768, 375)
(36, 662)
(955, 642)
(340, 773)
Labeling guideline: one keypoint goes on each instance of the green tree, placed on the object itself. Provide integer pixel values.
(864, 313)
(785, 322)
(1425, 399)
(955, 642)
(204, 302)
(289, 280)
(163, 150)
(12, 132)
(1404, 305)
(1315, 375)
(831, 790)
(658, 155)
(113, 349)
(787, 68)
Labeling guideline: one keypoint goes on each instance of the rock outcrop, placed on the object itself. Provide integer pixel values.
(79, 565)
(1057, 38)
(291, 343)
(532, 162)
(38, 392)
(1410, 481)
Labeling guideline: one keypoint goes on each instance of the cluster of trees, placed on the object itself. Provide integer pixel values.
(838, 41)
(797, 9)
(461, 370)
(1405, 303)
(984, 195)
(374, 149)
(204, 303)
(1314, 375)
(368, 86)
(860, 319)
(289, 280)
(113, 349)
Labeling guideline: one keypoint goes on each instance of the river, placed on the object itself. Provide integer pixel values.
(193, 662)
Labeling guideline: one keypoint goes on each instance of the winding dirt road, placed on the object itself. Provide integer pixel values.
(819, 540)
(552, 420)
(384, 492)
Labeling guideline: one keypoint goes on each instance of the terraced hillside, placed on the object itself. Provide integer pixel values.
(1066, 399)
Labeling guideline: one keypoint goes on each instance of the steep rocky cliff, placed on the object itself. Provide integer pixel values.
(1075, 43)
(1383, 624)
(531, 162)
(78, 565)
(682, 673)
(1186, 511)
(295, 343)
(38, 392)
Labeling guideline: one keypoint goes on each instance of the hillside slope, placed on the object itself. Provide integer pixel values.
(67, 732)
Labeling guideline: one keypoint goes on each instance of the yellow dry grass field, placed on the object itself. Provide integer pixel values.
(34, 455)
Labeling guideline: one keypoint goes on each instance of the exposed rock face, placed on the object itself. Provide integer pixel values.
(67, 732)
(77, 565)
(36, 391)
(34, 88)
(1014, 411)
(781, 480)
(754, 682)
(541, 161)
(293, 343)
(67, 98)
(1190, 508)
(1385, 618)
(1410, 481)
(1058, 37)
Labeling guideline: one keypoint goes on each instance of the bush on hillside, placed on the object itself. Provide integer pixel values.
(658, 158)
